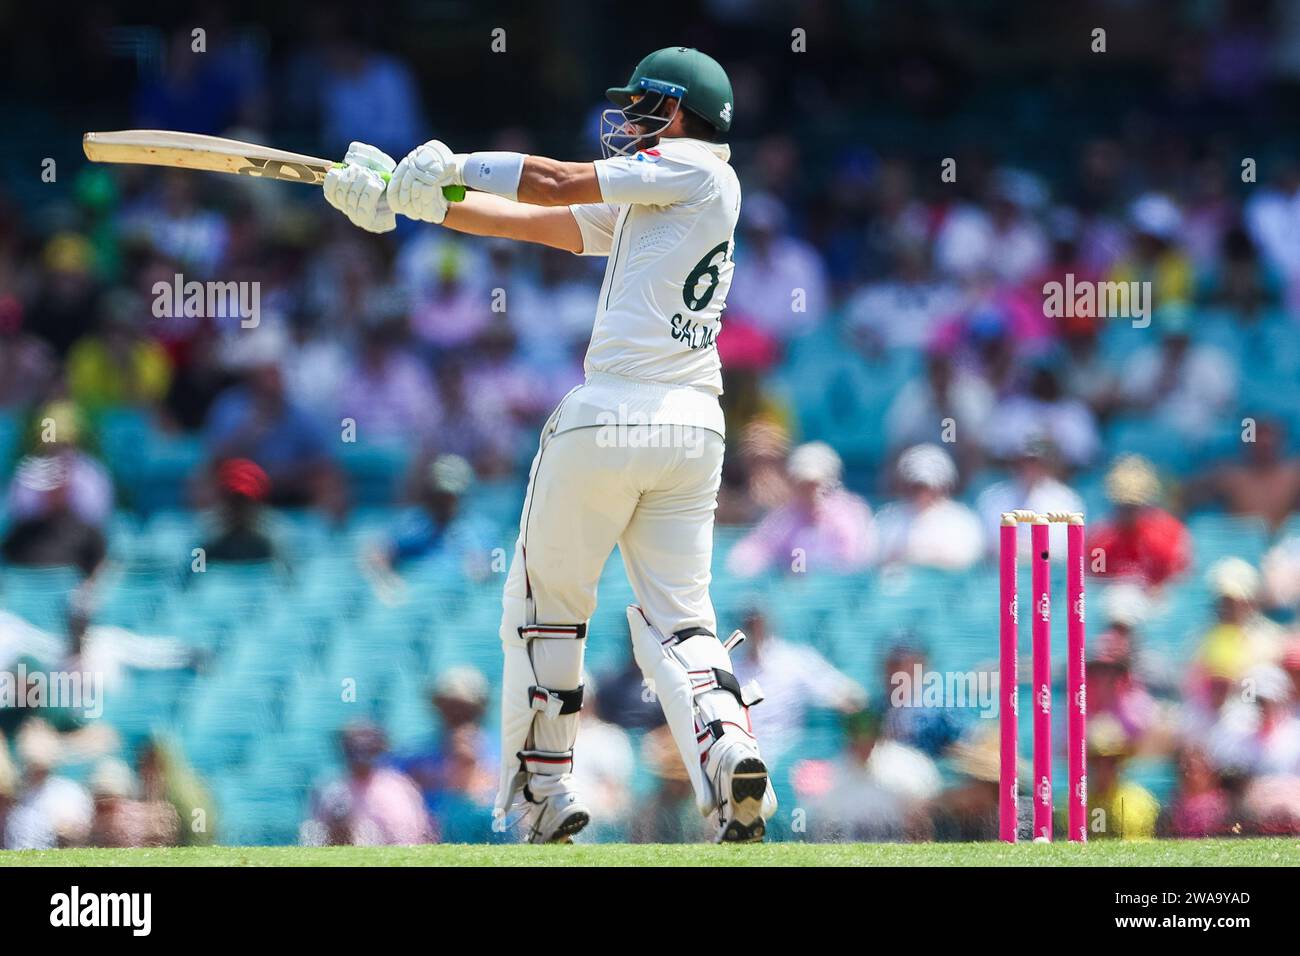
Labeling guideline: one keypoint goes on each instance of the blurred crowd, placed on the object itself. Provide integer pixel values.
(441, 357)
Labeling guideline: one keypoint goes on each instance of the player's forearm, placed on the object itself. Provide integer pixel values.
(534, 180)
(549, 182)
(482, 214)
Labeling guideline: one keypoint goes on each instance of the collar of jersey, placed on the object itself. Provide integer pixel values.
(720, 150)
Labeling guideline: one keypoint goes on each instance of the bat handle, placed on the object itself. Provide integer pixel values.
(451, 193)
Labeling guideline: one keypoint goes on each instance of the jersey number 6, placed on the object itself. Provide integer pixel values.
(705, 268)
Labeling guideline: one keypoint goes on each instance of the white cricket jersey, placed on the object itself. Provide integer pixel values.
(667, 225)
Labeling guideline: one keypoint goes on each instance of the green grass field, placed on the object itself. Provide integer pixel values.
(1271, 852)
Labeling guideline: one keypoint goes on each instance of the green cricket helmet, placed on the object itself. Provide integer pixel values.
(696, 80)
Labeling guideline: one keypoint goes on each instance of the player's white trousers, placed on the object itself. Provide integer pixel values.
(649, 489)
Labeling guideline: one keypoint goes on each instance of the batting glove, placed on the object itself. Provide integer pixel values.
(358, 190)
(416, 187)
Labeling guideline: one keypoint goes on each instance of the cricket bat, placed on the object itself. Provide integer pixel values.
(157, 147)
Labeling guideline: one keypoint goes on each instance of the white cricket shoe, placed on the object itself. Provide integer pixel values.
(745, 800)
(556, 818)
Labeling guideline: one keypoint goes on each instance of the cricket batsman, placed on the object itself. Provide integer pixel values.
(633, 456)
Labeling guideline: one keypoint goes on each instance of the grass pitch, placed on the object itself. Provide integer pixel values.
(1264, 852)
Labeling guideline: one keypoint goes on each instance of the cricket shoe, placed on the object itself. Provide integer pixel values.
(557, 818)
(744, 798)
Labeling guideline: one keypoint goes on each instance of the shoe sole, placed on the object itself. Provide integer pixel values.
(571, 826)
(748, 785)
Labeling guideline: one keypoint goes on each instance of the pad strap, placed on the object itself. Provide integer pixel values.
(546, 762)
(552, 631)
(706, 679)
(554, 703)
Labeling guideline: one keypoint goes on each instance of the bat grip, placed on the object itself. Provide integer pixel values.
(450, 193)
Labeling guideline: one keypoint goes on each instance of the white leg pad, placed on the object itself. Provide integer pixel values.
(541, 694)
(684, 676)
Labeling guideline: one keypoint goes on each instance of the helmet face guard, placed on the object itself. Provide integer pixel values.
(633, 126)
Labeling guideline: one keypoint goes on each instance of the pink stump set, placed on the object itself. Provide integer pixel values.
(1009, 669)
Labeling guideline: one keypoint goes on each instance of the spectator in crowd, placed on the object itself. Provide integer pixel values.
(474, 426)
(1126, 810)
(1155, 255)
(1043, 408)
(497, 368)
(1185, 386)
(64, 713)
(58, 499)
(1281, 572)
(1089, 374)
(257, 420)
(119, 366)
(51, 811)
(553, 317)
(1264, 484)
(1201, 806)
(747, 355)
(200, 93)
(21, 640)
(1115, 691)
(626, 701)
(994, 326)
(456, 773)
(110, 652)
(794, 678)
(783, 289)
(1241, 637)
(1243, 286)
(166, 777)
(932, 730)
(604, 774)
(1261, 735)
(754, 478)
(171, 221)
(1034, 485)
(198, 379)
(1291, 662)
(62, 306)
(452, 313)
(371, 804)
(968, 809)
(1272, 217)
(387, 390)
(8, 786)
(1270, 806)
(433, 530)
(921, 410)
(59, 476)
(239, 527)
(26, 362)
(927, 528)
(1139, 539)
(366, 95)
(901, 309)
(1016, 198)
(668, 814)
(823, 527)
(121, 819)
(877, 790)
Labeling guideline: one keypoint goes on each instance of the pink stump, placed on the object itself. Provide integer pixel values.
(1042, 677)
(1076, 687)
(1008, 666)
